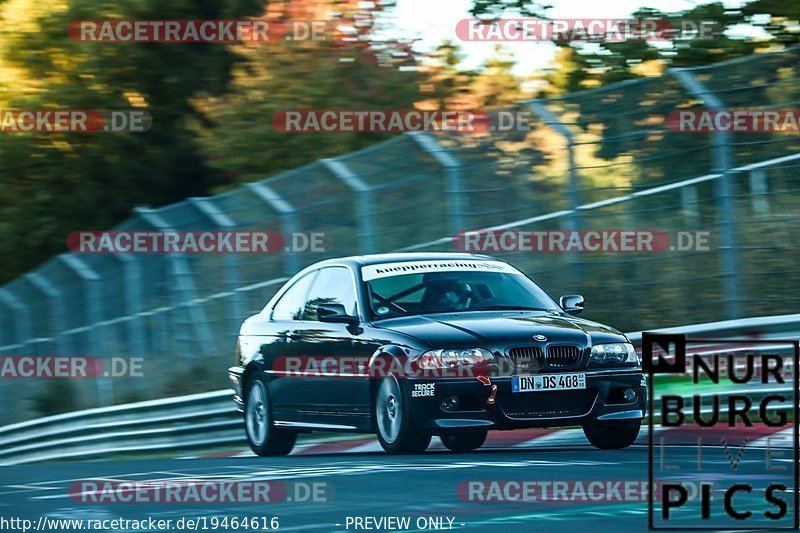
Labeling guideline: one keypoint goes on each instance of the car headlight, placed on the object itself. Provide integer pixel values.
(615, 353)
(454, 358)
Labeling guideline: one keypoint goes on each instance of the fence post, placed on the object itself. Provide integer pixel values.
(184, 291)
(6, 405)
(55, 307)
(132, 275)
(690, 205)
(454, 190)
(208, 209)
(759, 191)
(723, 164)
(22, 322)
(94, 315)
(288, 216)
(364, 203)
(573, 190)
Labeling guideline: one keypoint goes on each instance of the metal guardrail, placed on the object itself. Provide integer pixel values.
(117, 303)
(765, 327)
(210, 419)
(169, 424)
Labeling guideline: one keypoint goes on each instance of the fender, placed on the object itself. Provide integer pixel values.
(393, 351)
(254, 367)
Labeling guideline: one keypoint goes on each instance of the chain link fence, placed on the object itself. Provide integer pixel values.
(600, 159)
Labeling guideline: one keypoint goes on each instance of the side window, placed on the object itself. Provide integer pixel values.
(333, 285)
(290, 306)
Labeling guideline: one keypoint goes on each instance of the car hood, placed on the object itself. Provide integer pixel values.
(497, 328)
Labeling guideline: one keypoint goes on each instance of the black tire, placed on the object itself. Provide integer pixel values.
(262, 435)
(464, 440)
(391, 414)
(612, 434)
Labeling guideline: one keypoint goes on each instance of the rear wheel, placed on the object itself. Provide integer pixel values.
(464, 440)
(262, 435)
(612, 434)
(392, 416)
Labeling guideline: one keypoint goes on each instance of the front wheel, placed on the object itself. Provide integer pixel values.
(612, 434)
(262, 435)
(392, 417)
(464, 440)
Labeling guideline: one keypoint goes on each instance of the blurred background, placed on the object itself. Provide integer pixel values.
(599, 155)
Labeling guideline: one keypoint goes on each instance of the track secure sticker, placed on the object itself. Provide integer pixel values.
(423, 389)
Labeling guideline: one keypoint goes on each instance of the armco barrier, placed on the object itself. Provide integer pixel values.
(210, 419)
(169, 424)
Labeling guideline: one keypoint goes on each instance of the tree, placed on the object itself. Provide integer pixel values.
(55, 183)
(608, 62)
(351, 69)
(498, 8)
(627, 121)
(446, 83)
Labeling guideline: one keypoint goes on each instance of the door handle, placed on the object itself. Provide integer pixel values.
(293, 335)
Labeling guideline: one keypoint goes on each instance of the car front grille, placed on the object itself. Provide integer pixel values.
(532, 358)
(527, 358)
(553, 404)
(563, 356)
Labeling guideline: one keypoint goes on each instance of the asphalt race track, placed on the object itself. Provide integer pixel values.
(372, 484)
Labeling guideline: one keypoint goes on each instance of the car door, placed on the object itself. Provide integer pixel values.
(285, 320)
(328, 398)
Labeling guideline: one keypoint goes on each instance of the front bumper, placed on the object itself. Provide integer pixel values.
(235, 374)
(601, 400)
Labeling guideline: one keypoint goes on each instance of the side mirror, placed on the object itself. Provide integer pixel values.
(335, 313)
(571, 303)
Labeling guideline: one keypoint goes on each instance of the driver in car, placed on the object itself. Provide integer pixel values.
(448, 295)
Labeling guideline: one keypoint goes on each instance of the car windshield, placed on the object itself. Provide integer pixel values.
(442, 292)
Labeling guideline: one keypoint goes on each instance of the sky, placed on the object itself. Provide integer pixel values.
(432, 21)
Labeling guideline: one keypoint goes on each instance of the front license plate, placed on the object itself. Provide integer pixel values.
(548, 382)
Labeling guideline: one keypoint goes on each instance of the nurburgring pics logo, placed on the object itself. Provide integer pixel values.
(728, 403)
